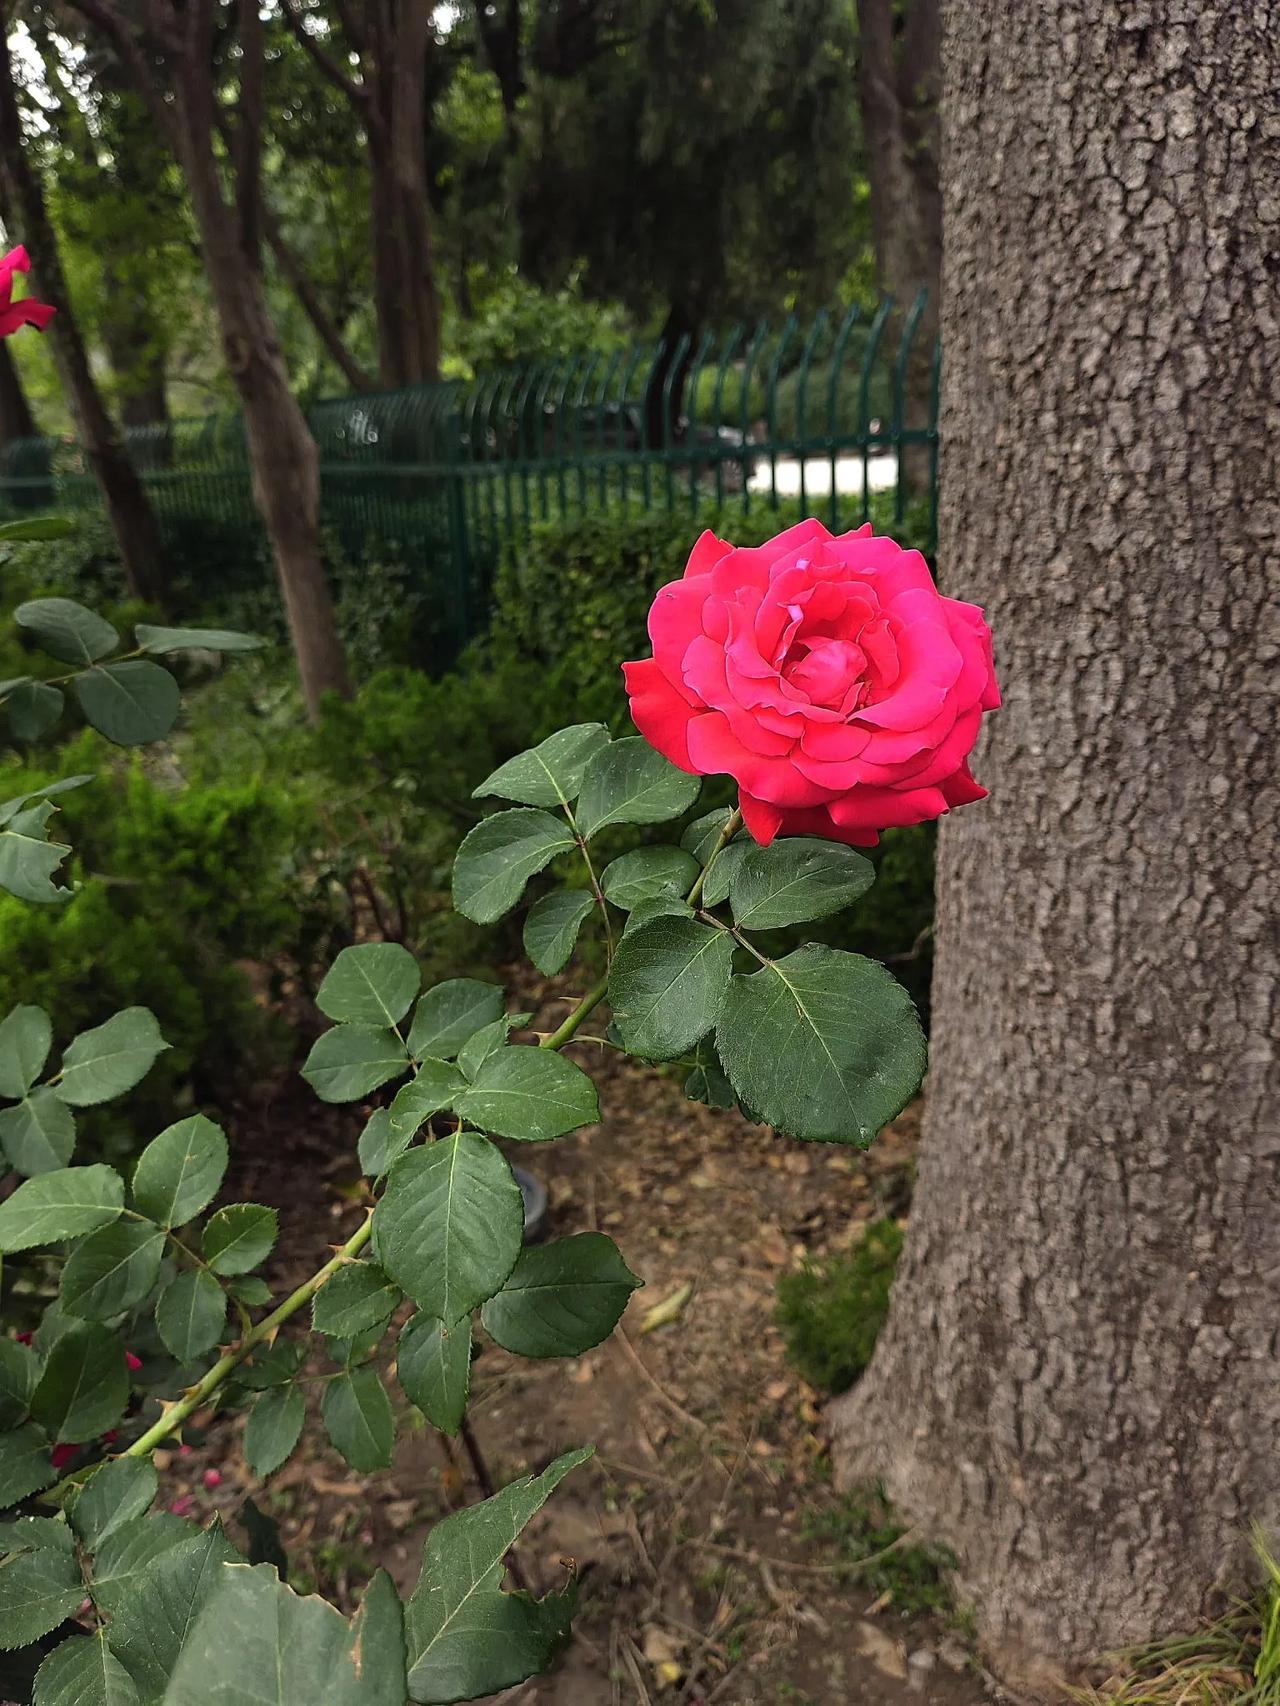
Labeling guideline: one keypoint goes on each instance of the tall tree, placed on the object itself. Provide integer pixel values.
(123, 496)
(377, 53)
(16, 419)
(1077, 1384)
(178, 57)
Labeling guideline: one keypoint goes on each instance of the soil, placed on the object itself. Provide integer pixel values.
(691, 1531)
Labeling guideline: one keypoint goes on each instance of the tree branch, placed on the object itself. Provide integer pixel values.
(247, 151)
(115, 25)
(308, 296)
(355, 92)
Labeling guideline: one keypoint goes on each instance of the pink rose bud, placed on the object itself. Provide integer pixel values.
(211, 1479)
(61, 1455)
(184, 1451)
(132, 1361)
(828, 676)
(183, 1506)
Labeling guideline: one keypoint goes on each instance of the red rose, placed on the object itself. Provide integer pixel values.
(828, 676)
(27, 312)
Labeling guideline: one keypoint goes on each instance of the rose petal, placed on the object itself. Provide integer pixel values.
(659, 710)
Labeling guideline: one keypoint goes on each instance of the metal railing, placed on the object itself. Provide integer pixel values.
(835, 413)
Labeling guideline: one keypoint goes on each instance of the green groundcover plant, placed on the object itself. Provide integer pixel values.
(830, 680)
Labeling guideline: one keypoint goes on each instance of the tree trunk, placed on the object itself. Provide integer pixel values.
(1077, 1385)
(16, 419)
(123, 496)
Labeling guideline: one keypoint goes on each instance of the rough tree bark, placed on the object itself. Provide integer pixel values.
(1077, 1385)
(186, 104)
(16, 419)
(123, 496)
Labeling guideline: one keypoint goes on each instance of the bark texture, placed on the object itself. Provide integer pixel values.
(1078, 1385)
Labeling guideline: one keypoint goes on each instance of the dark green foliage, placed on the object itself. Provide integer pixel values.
(831, 1313)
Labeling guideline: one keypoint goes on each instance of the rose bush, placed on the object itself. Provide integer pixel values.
(826, 675)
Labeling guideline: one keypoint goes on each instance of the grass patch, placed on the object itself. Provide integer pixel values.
(831, 1313)
(910, 1575)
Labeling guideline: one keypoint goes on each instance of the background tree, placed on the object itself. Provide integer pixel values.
(177, 60)
(1077, 1387)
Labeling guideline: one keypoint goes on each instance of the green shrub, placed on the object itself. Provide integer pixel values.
(831, 1314)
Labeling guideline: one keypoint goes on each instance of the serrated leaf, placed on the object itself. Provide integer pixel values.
(433, 1366)
(111, 1270)
(84, 1671)
(38, 1133)
(451, 1012)
(34, 1533)
(111, 1058)
(433, 1087)
(125, 1558)
(118, 1493)
(529, 1093)
(561, 1298)
(823, 1044)
(497, 858)
(357, 1417)
(719, 877)
(28, 858)
(707, 1082)
(449, 1225)
(238, 1237)
(551, 928)
(355, 1300)
(130, 703)
(25, 1466)
(84, 1386)
(38, 1590)
(274, 1428)
(66, 629)
(350, 1061)
(256, 1641)
(371, 984)
(667, 985)
(628, 782)
(64, 1204)
(380, 1142)
(647, 873)
(488, 1040)
(664, 906)
(191, 1314)
(33, 709)
(549, 774)
(179, 1172)
(251, 1291)
(46, 791)
(165, 1596)
(464, 1636)
(271, 1365)
(162, 640)
(19, 1371)
(702, 834)
(796, 880)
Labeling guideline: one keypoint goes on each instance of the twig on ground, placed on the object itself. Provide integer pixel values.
(837, 1567)
(672, 1404)
(631, 1658)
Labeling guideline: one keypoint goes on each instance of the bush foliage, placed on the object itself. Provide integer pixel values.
(831, 1312)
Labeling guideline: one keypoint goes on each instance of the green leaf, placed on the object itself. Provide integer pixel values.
(19, 1371)
(796, 880)
(84, 1671)
(823, 1044)
(164, 1597)
(130, 703)
(719, 878)
(357, 1417)
(191, 1314)
(67, 630)
(25, 1466)
(703, 833)
(257, 1643)
(37, 527)
(488, 1040)
(450, 1013)
(251, 1290)
(551, 928)
(433, 1366)
(647, 873)
(46, 791)
(64, 1204)
(179, 1172)
(498, 857)
(549, 774)
(38, 1590)
(162, 640)
(664, 906)
(529, 1093)
(372, 984)
(274, 1428)
(271, 1365)
(111, 1270)
(38, 1133)
(465, 1637)
(34, 1533)
(350, 1061)
(628, 782)
(355, 1300)
(117, 1493)
(238, 1237)
(707, 1082)
(667, 985)
(28, 858)
(434, 1086)
(126, 1557)
(380, 1142)
(34, 707)
(562, 1298)
(84, 1386)
(111, 1058)
(449, 1225)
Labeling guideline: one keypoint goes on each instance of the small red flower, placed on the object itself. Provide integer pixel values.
(27, 311)
(211, 1478)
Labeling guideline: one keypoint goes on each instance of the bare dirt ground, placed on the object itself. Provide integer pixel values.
(692, 1531)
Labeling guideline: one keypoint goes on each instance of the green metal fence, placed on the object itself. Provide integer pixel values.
(447, 476)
